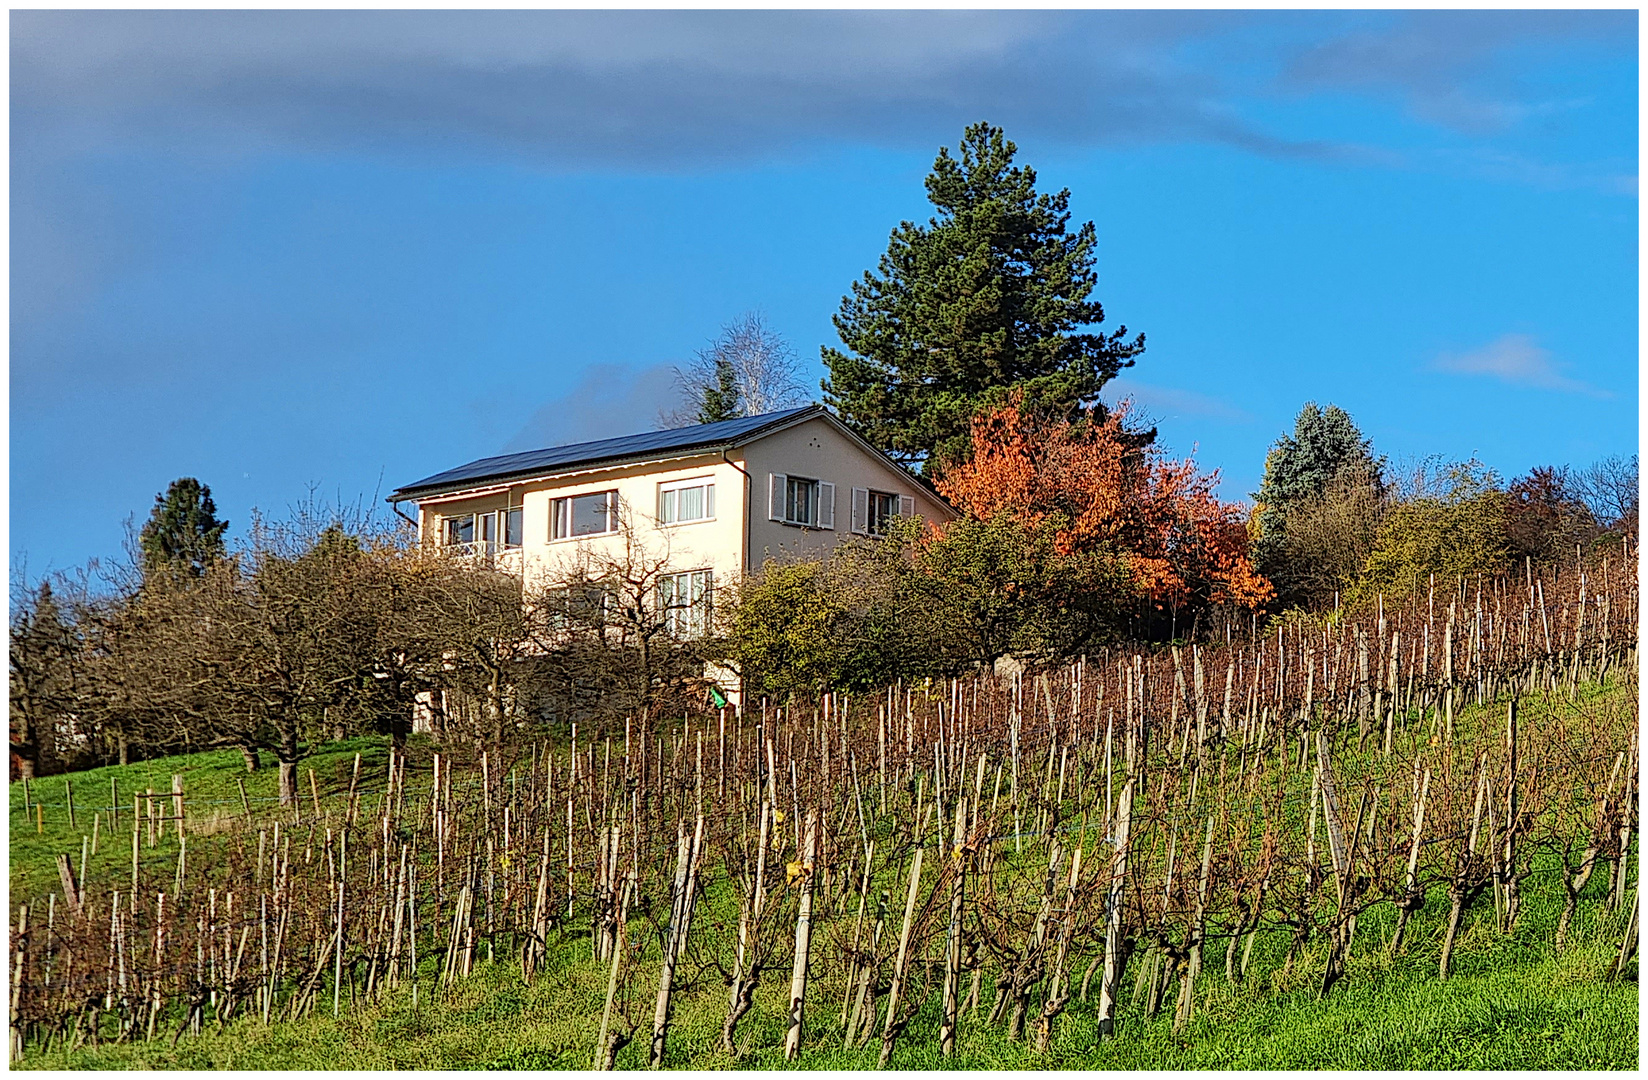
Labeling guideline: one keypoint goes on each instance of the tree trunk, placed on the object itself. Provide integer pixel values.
(249, 754)
(288, 756)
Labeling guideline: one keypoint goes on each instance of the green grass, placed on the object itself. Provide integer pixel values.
(1549, 1013)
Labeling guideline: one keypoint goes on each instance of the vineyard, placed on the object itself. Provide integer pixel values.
(998, 853)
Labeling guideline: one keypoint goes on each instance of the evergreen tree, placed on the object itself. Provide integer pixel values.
(720, 400)
(183, 533)
(986, 298)
(1326, 444)
(43, 666)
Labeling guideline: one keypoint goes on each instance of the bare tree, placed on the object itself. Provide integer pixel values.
(746, 371)
(1330, 536)
(618, 630)
(1610, 488)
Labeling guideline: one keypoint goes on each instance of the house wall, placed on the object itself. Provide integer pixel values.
(716, 544)
(818, 450)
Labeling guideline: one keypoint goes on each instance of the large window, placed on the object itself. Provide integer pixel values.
(483, 533)
(686, 500)
(460, 530)
(584, 515)
(687, 601)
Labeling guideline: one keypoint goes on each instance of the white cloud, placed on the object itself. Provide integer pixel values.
(1518, 360)
(1172, 401)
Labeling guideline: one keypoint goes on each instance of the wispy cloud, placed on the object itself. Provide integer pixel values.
(608, 401)
(1172, 401)
(1519, 360)
(1456, 69)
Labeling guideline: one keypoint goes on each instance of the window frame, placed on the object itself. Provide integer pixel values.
(691, 620)
(794, 484)
(874, 525)
(556, 503)
(707, 483)
(489, 530)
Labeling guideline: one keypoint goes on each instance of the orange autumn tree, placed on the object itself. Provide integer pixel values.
(1102, 488)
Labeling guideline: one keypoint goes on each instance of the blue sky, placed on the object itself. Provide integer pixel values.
(340, 251)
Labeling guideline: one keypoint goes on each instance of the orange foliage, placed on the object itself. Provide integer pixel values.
(1105, 492)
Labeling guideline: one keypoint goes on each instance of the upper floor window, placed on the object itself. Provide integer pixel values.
(687, 500)
(460, 530)
(488, 532)
(883, 507)
(874, 511)
(800, 500)
(584, 515)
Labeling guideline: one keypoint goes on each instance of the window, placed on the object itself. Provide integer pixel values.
(874, 511)
(686, 602)
(691, 500)
(585, 605)
(883, 508)
(460, 530)
(584, 515)
(800, 500)
(484, 533)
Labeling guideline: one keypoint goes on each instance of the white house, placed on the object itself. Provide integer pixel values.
(714, 501)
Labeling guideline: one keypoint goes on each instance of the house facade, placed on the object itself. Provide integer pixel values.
(709, 503)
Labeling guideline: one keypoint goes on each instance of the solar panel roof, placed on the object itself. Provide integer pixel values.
(562, 458)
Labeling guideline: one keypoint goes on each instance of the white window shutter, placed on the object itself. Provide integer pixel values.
(775, 497)
(906, 506)
(861, 510)
(826, 506)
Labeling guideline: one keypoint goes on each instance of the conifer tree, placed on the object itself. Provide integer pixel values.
(720, 401)
(183, 533)
(1325, 445)
(989, 297)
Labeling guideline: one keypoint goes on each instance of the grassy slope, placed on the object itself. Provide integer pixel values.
(1511, 1004)
(209, 790)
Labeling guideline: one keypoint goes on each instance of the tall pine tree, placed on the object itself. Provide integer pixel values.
(988, 297)
(183, 533)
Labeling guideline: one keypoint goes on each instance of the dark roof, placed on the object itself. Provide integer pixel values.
(582, 455)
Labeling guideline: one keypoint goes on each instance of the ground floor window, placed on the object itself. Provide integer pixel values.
(686, 601)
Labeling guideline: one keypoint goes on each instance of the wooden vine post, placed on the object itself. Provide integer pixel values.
(803, 935)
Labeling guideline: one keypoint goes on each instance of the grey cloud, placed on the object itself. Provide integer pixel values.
(580, 89)
(609, 400)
